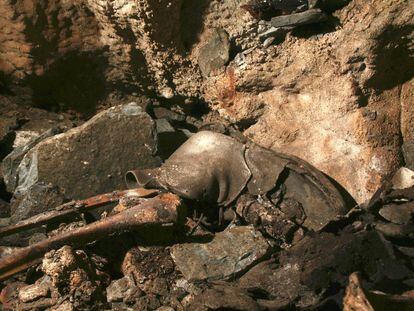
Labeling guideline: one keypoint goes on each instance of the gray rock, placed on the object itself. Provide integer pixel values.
(282, 283)
(92, 158)
(215, 53)
(38, 199)
(297, 19)
(12, 161)
(312, 3)
(408, 251)
(400, 214)
(224, 297)
(403, 178)
(164, 113)
(396, 231)
(120, 289)
(229, 253)
(408, 152)
(275, 32)
(268, 42)
(163, 126)
(303, 274)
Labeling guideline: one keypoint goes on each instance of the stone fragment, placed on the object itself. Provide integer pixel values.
(396, 231)
(12, 161)
(64, 306)
(9, 295)
(152, 269)
(282, 285)
(408, 251)
(120, 289)
(38, 199)
(171, 116)
(306, 272)
(76, 275)
(224, 297)
(148, 302)
(163, 126)
(40, 289)
(39, 304)
(303, 18)
(92, 158)
(268, 42)
(312, 3)
(215, 53)
(408, 152)
(23, 138)
(400, 214)
(229, 253)
(273, 32)
(403, 178)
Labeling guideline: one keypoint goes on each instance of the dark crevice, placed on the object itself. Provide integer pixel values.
(190, 106)
(330, 6)
(394, 61)
(4, 195)
(192, 13)
(246, 123)
(317, 29)
(75, 81)
(5, 83)
(43, 48)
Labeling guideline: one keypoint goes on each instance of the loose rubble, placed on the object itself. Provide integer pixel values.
(294, 254)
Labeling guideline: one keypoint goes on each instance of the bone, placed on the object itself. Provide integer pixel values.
(73, 209)
(161, 210)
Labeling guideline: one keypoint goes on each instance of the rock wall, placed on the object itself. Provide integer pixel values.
(338, 94)
(79, 53)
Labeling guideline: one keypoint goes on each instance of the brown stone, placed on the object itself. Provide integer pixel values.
(40, 289)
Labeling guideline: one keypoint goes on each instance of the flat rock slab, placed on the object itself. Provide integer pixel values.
(400, 214)
(214, 54)
(229, 253)
(297, 19)
(92, 158)
(403, 178)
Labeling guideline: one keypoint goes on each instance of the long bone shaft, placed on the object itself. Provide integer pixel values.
(72, 209)
(163, 209)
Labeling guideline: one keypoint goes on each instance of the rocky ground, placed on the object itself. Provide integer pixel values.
(90, 89)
